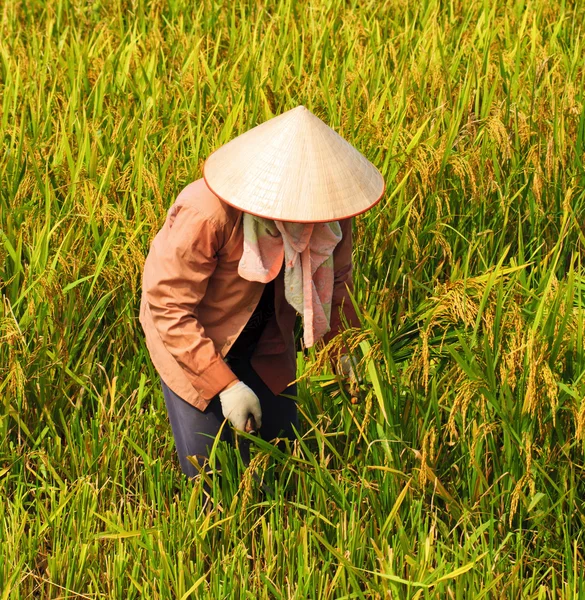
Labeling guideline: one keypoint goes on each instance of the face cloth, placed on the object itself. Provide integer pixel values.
(307, 252)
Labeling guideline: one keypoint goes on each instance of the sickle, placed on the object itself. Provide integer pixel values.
(250, 426)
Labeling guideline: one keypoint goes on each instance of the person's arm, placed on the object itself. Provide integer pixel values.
(343, 283)
(176, 276)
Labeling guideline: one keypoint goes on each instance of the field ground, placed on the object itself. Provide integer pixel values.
(456, 469)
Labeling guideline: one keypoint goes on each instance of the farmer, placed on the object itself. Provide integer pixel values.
(266, 234)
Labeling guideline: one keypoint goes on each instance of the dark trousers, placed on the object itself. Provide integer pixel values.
(195, 430)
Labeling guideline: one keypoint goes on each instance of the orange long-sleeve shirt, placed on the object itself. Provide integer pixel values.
(195, 304)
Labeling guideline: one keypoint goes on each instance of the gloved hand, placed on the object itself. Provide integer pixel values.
(237, 403)
(347, 367)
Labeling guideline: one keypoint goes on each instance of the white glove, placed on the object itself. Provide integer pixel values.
(238, 403)
(347, 367)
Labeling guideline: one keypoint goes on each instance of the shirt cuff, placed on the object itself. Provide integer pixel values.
(214, 379)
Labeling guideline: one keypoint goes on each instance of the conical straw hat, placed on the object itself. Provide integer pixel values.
(294, 168)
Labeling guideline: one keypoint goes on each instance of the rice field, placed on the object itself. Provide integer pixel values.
(454, 467)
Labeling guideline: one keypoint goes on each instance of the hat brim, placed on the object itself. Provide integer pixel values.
(267, 216)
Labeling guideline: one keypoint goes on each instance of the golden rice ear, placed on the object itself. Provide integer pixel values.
(294, 168)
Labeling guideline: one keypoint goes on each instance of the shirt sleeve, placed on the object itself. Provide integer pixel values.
(342, 283)
(176, 275)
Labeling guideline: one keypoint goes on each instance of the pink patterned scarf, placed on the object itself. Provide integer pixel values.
(307, 251)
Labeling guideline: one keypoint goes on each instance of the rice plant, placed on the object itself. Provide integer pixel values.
(453, 467)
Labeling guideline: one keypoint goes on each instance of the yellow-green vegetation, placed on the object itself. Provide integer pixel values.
(456, 468)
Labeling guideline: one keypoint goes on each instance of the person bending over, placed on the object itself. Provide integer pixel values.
(264, 235)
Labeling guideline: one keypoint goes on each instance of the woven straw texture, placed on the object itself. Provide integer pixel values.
(294, 168)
